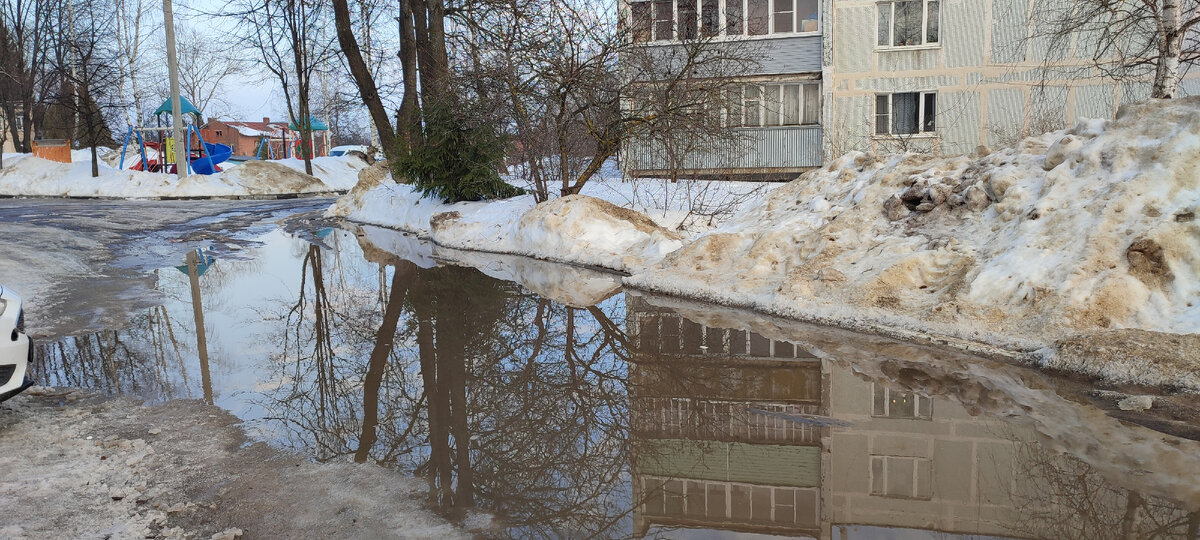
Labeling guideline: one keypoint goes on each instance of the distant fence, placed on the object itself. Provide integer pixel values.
(53, 149)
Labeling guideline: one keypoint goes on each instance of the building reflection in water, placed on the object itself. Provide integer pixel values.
(620, 419)
(727, 427)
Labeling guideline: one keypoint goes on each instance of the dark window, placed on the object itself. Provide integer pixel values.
(882, 114)
(929, 116)
(785, 16)
(641, 22)
(664, 19)
(687, 19)
(931, 23)
(759, 15)
(906, 112)
(710, 18)
(733, 18)
(907, 28)
(908, 23)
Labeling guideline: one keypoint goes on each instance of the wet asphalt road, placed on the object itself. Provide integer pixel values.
(82, 265)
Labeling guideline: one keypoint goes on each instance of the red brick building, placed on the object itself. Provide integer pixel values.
(246, 138)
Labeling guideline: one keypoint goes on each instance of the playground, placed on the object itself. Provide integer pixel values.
(159, 155)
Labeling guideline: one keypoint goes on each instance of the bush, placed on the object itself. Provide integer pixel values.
(458, 157)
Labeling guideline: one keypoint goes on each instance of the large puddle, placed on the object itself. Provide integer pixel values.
(567, 407)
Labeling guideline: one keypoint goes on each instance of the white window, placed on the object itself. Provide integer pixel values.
(780, 104)
(907, 113)
(908, 23)
(663, 20)
(888, 403)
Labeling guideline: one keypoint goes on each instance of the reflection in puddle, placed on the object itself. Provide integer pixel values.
(619, 416)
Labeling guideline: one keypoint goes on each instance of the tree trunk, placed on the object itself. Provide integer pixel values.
(420, 13)
(363, 78)
(437, 48)
(408, 118)
(1166, 72)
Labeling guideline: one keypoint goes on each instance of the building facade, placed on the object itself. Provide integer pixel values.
(265, 139)
(934, 76)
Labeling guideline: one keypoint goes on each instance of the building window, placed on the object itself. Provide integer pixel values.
(710, 18)
(642, 25)
(901, 477)
(657, 20)
(220, 134)
(781, 104)
(888, 403)
(664, 19)
(908, 23)
(906, 113)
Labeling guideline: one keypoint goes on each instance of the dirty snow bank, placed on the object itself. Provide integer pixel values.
(576, 229)
(1088, 228)
(36, 177)
(85, 466)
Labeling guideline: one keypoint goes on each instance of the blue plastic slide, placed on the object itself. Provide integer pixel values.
(216, 154)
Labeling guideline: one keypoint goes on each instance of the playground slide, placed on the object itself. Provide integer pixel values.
(216, 154)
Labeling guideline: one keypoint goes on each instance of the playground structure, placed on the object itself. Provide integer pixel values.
(202, 157)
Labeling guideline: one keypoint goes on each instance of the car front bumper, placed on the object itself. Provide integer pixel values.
(15, 357)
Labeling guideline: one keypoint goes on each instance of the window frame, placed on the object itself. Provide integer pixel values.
(723, 22)
(925, 43)
(760, 104)
(922, 119)
(922, 404)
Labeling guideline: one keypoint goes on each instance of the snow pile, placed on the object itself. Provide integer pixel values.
(577, 229)
(689, 206)
(36, 177)
(339, 173)
(1087, 228)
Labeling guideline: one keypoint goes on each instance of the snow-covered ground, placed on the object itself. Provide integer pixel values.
(81, 465)
(1087, 229)
(25, 175)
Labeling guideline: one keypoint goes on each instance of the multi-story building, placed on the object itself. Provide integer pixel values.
(934, 76)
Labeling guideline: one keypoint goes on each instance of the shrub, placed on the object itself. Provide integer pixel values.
(458, 157)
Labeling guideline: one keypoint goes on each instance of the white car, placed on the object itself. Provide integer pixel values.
(15, 349)
(341, 150)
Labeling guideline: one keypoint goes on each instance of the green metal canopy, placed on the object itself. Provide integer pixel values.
(185, 107)
(317, 125)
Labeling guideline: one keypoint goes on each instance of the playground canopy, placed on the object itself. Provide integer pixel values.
(316, 124)
(185, 107)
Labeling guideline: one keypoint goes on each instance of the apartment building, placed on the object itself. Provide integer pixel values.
(933, 76)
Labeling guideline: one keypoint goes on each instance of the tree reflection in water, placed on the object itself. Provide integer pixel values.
(520, 404)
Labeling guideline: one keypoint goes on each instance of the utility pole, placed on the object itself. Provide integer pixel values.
(176, 109)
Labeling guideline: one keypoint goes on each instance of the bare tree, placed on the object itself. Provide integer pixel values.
(1147, 40)
(578, 86)
(134, 24)
(285, 35)
(27, 31)
(205, 66)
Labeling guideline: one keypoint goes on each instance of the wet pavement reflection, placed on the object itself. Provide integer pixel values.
(568, 408)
